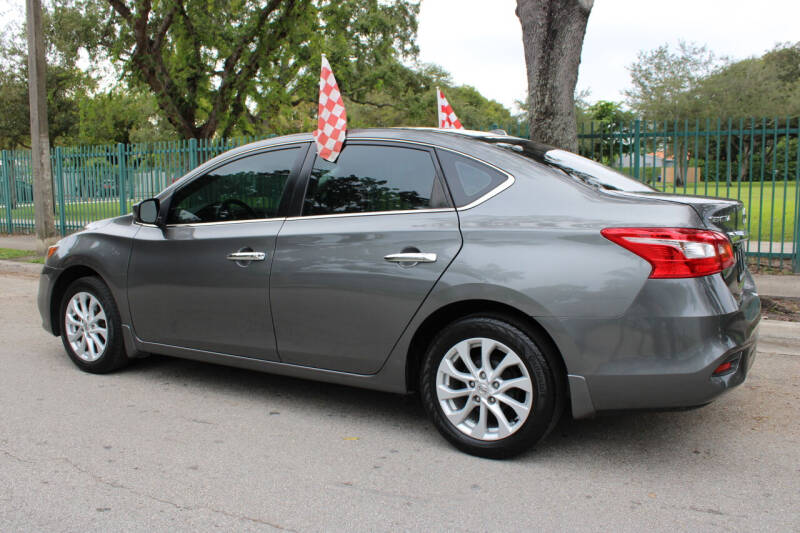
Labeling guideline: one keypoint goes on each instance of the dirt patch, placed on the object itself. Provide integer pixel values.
(780, 308)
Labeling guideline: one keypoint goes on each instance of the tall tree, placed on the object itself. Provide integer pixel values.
(552, 38)
(662, 80)
(66, 83)
(227, 67)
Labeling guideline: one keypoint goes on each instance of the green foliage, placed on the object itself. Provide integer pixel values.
(65, 84)
(744, 168)
(692, 83)
(604, 119)
(663, 80)
(762, 87)
(213, 68)
(119, 117)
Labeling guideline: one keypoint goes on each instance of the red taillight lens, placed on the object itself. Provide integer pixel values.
(724, 367)
(676, 252)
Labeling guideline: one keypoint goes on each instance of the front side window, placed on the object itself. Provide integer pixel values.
(374, 178)
(244, 189)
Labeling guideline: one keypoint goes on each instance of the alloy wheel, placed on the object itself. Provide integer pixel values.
(86, 326)
(484, 389)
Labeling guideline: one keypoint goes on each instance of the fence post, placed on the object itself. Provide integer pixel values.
(59, 179)
(796, 244)
(796, 240)
(192, 154)
(123, 202)
(636, 147)
(7, 190)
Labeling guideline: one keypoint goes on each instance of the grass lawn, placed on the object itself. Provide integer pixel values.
(10, 253)
(764, 212)
(76, 214)
(764, 202)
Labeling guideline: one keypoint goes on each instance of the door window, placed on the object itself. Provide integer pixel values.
(245, 189)
(374, 178)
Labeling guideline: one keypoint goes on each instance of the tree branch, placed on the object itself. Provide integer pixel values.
(230, 81)
(123, 10)
(161, 33)
(374, 104)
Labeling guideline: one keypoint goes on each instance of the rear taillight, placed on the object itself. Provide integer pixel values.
(676, 252)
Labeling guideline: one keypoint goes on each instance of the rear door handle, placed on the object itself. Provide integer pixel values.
(246, 256)
(408, 258)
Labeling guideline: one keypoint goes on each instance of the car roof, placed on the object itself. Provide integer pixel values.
(461, 140)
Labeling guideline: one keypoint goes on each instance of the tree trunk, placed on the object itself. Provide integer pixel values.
(552, 37)
(743, 163)
(681, 163)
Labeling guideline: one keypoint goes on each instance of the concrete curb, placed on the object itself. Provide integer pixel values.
(784, 285)
(777, 336)
(20, 268)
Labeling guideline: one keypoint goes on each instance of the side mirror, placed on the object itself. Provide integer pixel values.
(146, 212)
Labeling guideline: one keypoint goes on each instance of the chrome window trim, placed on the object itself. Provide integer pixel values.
(218, 222)
(374, 213)
(494, 192)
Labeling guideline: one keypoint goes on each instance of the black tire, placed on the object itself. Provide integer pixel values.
(113, 357)
(536, 354)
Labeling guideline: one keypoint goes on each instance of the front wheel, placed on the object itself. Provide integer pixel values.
(488, 387)
(91, 328)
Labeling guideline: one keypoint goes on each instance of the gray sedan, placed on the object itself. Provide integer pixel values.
(503, 281)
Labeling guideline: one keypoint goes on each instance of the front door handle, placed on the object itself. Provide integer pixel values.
(409, 258)
(247, 256)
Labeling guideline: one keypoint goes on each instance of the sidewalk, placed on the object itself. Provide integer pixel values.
(18, 242)
(786, 285)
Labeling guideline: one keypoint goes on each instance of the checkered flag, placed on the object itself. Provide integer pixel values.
(332, 121)
(447, 118)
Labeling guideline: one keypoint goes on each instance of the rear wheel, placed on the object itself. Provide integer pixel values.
(488, 387)
(90, 327)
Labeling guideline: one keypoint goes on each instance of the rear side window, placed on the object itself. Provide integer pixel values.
(374, 178)
(468, 179)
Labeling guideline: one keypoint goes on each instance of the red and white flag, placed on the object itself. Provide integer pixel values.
(332, 121)
(447, 118)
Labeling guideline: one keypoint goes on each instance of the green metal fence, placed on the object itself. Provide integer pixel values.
(95, 182)
(756, 161)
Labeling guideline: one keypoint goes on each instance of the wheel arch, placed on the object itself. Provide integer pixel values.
(63, 281)
(451, 312)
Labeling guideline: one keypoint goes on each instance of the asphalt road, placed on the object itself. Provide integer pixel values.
(179, 445)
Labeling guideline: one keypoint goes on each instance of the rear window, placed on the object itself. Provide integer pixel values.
(578, 167)
(594, 173)
(468, 179)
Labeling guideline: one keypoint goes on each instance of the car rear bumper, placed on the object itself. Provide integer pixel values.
(663, 353)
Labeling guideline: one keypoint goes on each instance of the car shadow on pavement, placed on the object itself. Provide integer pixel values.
(631, 437)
